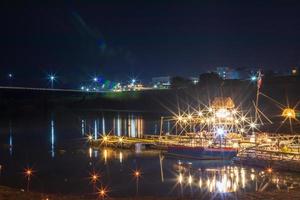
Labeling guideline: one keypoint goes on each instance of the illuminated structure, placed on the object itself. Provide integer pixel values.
(220, 123)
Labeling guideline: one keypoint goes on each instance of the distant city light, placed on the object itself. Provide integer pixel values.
(52, 77)
(253, 78)
(82, 87)
(95, 79)
(10, 75)
(133, 81)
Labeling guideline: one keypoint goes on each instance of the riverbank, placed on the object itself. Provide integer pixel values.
(7, 193)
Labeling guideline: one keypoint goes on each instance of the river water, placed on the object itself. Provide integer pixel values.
(55, 147)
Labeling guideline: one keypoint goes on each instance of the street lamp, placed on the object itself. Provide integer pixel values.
(52, 79)
(137, 175)
(10, 77)
(28, 173)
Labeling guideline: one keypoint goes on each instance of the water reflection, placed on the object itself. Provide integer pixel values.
(52, 139)
(96, 129)
(10, 142)
(226, 179)
(119, 125)
(82, 127)
(233, 179)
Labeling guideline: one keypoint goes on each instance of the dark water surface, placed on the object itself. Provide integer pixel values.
(56, 148)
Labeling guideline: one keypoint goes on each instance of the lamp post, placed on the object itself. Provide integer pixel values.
(28, 173)
(137, 175)
(10, 77)
(52, 79)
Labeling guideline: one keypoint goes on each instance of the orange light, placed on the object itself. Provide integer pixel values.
(137, 173)
(289, 113)
(94, 177)
(28, 172)
(269, 170)
(102, 192)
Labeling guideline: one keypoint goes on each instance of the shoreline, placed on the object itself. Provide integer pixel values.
(7, 193)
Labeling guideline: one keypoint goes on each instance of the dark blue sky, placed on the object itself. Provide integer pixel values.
(119, 39)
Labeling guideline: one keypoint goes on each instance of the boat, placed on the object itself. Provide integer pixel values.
(202, 153)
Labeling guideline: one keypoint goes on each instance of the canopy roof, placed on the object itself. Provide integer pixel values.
(222, 102)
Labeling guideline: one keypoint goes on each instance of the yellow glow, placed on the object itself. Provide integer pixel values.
(121, 157)
(190, 179)
(200, 183)
(269, 170)
(222, 113)
(94, 177)
(189, 116)
(252, 125)
(90, 137)
(28, 172)
(105, 138)
(289, 113)
(180, 178)
(102, 192)
(90, 152)
(137, 173)
(235, 145)
(120, 139)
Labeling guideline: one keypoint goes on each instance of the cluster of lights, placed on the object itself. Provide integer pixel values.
(229, 179)
(221, 120)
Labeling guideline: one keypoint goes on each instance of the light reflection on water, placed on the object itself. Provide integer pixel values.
(131, 126)
(160, 174)
(198, 178)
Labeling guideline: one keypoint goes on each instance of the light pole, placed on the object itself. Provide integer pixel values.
(10, 77)
(28, 173)
(137, 175)
(52, 79)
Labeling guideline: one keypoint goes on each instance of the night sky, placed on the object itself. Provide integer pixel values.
(123, 39)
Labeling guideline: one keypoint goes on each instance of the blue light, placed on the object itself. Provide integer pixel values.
(220, 131)
(95, 79)
(10, 75)
(133, 81)
(82, 87)
(253, 78)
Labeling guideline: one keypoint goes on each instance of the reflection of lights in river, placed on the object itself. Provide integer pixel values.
(90, 152)
(180, 178)
(52, 139)
(105, 155)
(226, 179)
(190, 179)
(121, 157)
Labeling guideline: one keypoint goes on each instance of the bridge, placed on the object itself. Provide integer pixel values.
(49, 89)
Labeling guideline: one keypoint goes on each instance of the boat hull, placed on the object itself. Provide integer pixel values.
(202, 153)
